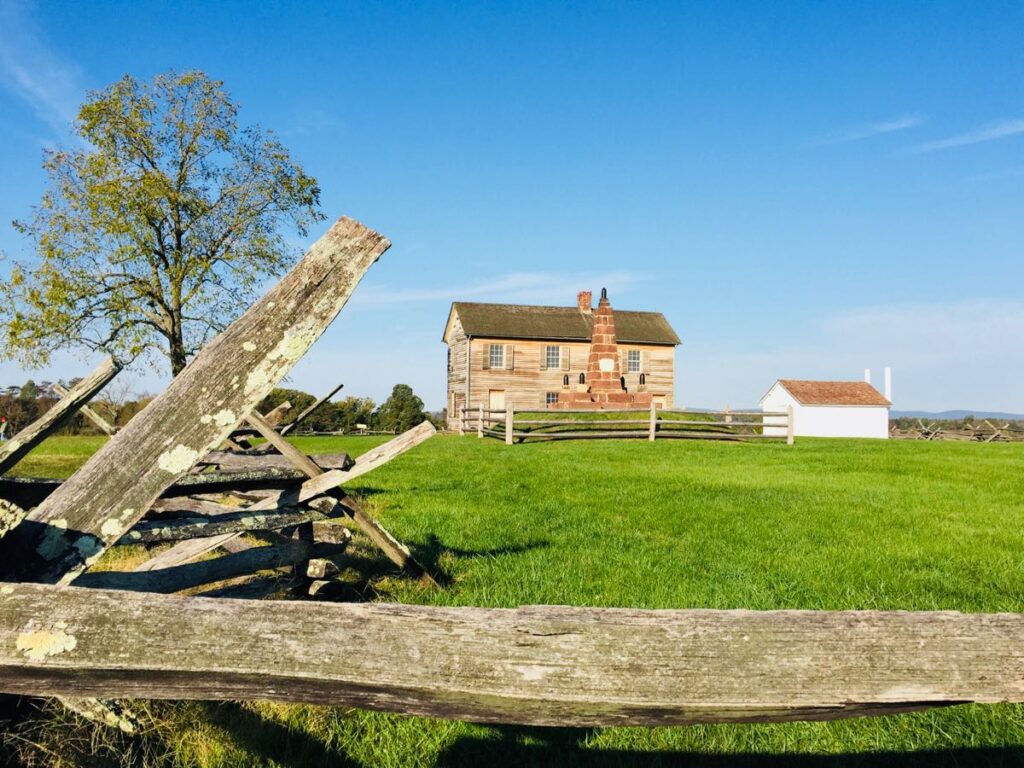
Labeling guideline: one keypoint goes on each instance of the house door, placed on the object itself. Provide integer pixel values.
(496, 399)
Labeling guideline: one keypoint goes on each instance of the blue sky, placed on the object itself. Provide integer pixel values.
(804, 189)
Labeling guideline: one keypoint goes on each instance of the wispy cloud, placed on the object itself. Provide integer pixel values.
(527, 287)
(33, 71)
(987, 133)
(1000, 173)
(874, 129)
(312, 120)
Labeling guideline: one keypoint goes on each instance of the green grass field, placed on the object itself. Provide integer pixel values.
(824, 524)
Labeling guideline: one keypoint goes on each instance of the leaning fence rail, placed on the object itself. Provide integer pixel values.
(653, 424)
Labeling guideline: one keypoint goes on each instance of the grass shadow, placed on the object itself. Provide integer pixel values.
(524, 746)
(275, 743)
(365, 565)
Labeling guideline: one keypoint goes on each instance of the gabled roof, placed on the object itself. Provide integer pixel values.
(521, 321)
(833, 392)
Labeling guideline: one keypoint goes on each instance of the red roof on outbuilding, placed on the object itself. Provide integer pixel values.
(833, 392)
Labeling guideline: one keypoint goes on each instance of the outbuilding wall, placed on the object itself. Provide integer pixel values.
(827, 420)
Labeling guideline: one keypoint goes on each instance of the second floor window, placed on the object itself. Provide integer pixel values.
(633, 361)
(496, 356)
(553, 357)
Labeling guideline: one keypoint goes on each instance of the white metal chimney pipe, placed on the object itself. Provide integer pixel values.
(867, 375)
(888, 383)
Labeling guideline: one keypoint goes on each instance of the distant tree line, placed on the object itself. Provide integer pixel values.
(401, 411)
(23, 404)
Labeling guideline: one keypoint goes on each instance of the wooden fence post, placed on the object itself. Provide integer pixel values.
(728, 415)
(509, 421)
(302, 416)
(654, 422)
(88, 412)
(480, 422)
(789, 425)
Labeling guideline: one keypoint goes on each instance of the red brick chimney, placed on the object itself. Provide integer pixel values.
(603, 365)
(583, 299)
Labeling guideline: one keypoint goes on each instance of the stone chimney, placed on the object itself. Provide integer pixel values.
(583, 299)
(603, 366)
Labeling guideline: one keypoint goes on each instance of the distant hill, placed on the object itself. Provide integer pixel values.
(955, 415)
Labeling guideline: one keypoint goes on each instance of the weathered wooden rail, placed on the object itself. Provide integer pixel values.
(542, 665)
(652, 424)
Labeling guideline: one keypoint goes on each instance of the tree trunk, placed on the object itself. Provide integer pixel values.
(176, 351)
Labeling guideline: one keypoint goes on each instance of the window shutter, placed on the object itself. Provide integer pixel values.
(509, 365)
(486, 364)
(563, 358)
(543, 358)
(623, 362)
(645, 362)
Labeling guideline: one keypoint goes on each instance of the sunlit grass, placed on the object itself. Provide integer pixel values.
(824, 524)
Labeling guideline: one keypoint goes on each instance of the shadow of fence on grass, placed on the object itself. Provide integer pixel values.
(522, 747)
(368, 566)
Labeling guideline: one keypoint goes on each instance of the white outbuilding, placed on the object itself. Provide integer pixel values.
(829, 408)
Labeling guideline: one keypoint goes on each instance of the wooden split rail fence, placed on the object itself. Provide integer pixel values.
(652, 424)
(985, 432)
(71, 631)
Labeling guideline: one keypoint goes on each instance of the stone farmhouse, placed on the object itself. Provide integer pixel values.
(558, 357)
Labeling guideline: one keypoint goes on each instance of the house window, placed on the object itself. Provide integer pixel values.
(496, 355)
(553, 357)
(565, 381)
(633, 361)
(551, 398)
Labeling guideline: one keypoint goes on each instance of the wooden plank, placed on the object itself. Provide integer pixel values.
(273, 417)
(286, 552)
(302, 416)
(14, 450)
(288, 451)
(184, 506)
(104, 425)
(624, 434)
(372, 459)
(232, 521)
(31, 491)
(196, 412)
(231, 460)
(395, 550)
(541, 665)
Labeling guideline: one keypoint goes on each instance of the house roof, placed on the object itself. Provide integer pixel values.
(522, 321)
(834, 392)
